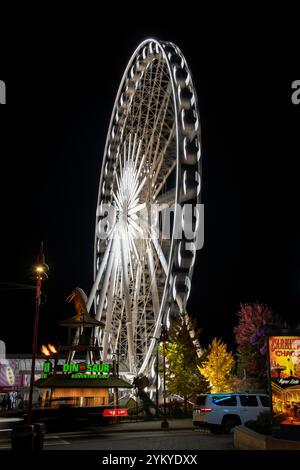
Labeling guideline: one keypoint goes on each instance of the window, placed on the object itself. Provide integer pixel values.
(225, 400)
(248, 400)
(200, 400)
(264, 401)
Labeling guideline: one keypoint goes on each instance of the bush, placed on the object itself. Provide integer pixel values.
(262, 424)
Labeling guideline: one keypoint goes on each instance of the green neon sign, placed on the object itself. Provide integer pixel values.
(90, 376)
(47, 369)
(80, 370)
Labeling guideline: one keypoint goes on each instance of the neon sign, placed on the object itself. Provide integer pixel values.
(284, 375)
(76, 370)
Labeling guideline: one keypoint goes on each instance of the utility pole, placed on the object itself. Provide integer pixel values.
(40, 273)
(157, 374)
(164, 423)
(156, 382)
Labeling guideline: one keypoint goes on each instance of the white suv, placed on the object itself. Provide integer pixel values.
(220, 412)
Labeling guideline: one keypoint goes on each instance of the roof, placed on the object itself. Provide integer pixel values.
(65, 381)
(84, 319)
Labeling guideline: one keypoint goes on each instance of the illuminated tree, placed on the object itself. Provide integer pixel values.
(183, 377)
(252, 318)
(255, 320)
(217, 369)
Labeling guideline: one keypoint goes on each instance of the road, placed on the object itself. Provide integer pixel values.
(142, 435)
(147, 440)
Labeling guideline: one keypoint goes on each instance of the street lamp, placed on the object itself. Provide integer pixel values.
(115, 358)
(50, 352)
(164, 423)
(40, 274)
(156, 376)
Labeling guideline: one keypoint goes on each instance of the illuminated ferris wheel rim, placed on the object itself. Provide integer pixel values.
(178, 141)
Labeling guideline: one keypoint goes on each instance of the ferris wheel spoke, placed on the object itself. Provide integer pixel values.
(128, 311)
(108, 319)
(151, 93)
(137, 208)
(160, 253)
(117, 201)
(140, 188)
(99, 276)
(129, 148)
(136, 157)
(166, 176)
(132, 156)
(136, 296)
(162, 155)
(118, 332)
(158, 126)
(153, 283)
(106, 282)
(166, 199)
(141, 165)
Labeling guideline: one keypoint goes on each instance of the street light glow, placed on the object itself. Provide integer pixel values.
(52, 349)
(45, 351)
(39, 269)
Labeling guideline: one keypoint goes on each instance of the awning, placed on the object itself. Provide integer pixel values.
(65, 381)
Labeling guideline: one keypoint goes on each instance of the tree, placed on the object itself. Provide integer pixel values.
(252, 317)
(255, 320)
(217, 369)
(183, 377)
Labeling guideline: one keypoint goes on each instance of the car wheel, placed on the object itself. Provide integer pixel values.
(228, 425)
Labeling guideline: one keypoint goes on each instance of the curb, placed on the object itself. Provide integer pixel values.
(74, 435)
(112, 431)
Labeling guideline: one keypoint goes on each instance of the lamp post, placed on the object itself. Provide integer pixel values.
(156, 376)
(40, 273)
(164, 423)
(156, 383)
(115, 357)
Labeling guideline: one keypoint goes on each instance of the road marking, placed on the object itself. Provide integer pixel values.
(56, 441)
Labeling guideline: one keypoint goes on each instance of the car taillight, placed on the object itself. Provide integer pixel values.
(205, 409)
(115, 412)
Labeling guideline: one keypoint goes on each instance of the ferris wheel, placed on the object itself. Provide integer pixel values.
(147, 210)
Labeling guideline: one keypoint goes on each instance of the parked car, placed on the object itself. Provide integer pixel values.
(220, 412)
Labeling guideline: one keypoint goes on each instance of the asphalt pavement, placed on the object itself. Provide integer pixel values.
(139, 435)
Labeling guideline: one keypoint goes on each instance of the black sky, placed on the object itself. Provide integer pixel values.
(62, 74)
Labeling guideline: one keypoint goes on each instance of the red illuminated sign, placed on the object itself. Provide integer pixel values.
(284, 370)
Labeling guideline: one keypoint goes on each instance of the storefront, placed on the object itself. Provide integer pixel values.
(284, 370)
(79, 384)
(15, 380)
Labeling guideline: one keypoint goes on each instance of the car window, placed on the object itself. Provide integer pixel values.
(200, 400)
(248, 400)
(225, 400)
(264, 401)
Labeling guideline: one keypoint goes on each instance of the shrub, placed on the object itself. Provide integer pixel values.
(262, 424)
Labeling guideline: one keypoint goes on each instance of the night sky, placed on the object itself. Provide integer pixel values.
(62, 73)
